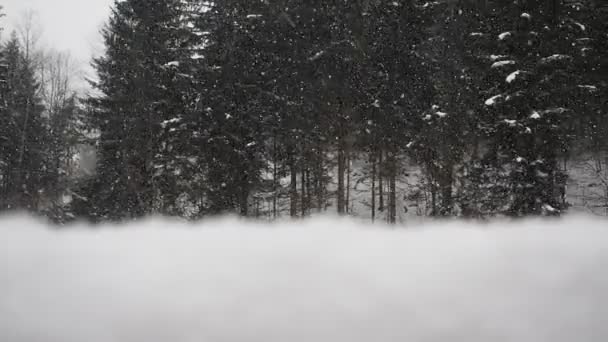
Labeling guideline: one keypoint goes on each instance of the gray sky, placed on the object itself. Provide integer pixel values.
(71, 25)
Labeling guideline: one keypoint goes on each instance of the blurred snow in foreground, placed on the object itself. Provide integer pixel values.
(322, 280)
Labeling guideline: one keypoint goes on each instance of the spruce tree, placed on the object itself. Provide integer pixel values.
(396, 88)
(234, 101)
(145, 44)
(533, 84)
(23, 133)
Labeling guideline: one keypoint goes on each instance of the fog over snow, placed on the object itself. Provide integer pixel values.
(322, 280)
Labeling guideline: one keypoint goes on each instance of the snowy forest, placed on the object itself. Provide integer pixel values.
(382, 110)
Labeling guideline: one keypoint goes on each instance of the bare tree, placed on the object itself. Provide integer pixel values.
(57, 71)
(2, 15)
(29, 32)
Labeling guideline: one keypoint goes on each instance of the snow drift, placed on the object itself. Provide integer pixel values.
(322, 280)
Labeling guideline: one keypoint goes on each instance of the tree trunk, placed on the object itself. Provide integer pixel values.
(319, 178)
(433, 189)
(373, 162)
(274, 178)
(308, 191)
(341, 170)
(293, 193)
(244, 203)
(347, 202)
(303, 194)
(19, 178)
(433, 200)
(380, 182)
(446, 192)
(392, 210)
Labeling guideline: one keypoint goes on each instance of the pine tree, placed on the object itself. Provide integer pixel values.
(7, 129)
(145, 43)
(396, 88)
(447, 136)
(23, 133)
(532, 85)
(230, 109)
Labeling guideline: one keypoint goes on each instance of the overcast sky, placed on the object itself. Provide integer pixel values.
(65, 24)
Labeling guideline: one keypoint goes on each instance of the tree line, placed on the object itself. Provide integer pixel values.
(39, 122)
(205, 108)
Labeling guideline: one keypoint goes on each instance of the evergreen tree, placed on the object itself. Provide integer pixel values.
(145, 43)
(23, 133)
(532, 85)
(396, 87)
(207, 107)
(447, 129)
(231, 111)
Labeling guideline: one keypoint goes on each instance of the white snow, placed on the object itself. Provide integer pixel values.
(165, 123)
(581, 26)
(317, 56)
(549, 208)
(493, 100)
(504, 35)
(513, 76)
(526, 16)
(501, 64)
(441, 114)
(323, 280)
(556, 57)
(172, 63)
(432, 3)
(535, 115)
(497, 57)
(556, 110)
(254, 16)
(510, 122)
(588, 87)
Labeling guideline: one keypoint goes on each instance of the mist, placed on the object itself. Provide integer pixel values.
(319, 280)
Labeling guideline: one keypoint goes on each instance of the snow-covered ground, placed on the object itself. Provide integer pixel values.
(321, 280)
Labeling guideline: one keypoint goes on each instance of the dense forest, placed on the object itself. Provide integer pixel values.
(291, 108)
